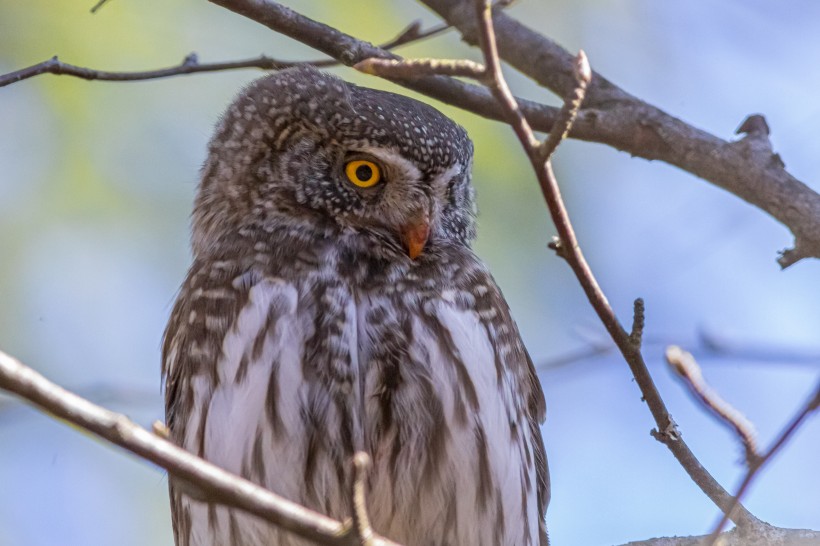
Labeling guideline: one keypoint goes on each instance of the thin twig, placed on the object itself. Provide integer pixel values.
(684, 364)
(494, 79)
(161, 429)
(569, 110)
(638, 323)
(416, 68)
(361, 528)
(98, 5)
(413, 33)
(222, 486)
(191, 64)
(811, 405)
(705, 343)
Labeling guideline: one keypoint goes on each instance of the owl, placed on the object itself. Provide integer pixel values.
(334, 305)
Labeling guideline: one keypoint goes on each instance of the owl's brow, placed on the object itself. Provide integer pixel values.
(392, 157)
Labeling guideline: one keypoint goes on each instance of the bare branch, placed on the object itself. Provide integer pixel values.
(811, 405)
(415, 68)
(569, 110)
(614, 117)
(191, 64)
(763, 535)
(494, 79)
(571, 252)
(414, 33)
(611, 116)
(687, 368)
(98, 5)
(361, 522)
(215, 483)
(706, 343)
(638, 323)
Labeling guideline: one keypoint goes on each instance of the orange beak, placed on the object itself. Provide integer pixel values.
(414, 235)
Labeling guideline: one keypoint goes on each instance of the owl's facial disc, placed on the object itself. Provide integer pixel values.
(397, 193)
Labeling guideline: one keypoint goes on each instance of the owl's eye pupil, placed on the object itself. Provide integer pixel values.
(364, 172)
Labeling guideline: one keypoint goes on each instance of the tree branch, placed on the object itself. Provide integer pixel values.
(361, 528)
(413, 68)
(570, 250)
(765, 535)
(747, 167)
(705, 343)
(687, 368)
(217, 484)
(811, 405)
(98, 5)
(191, 64)
(582, 75)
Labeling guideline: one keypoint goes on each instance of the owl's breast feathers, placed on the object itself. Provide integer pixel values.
(282, 362)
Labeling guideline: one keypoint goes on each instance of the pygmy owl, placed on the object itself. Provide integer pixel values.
(334, 305)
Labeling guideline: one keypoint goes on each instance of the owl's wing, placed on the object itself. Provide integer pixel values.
(537, 415)
(220, 352)
(251, 356)
(511, 354)
(234, 341)
(450, 374)
(208, 302)
(190, 348)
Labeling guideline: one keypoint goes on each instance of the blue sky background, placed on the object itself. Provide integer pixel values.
(96, 183)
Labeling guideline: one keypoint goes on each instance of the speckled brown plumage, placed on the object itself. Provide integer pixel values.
(305, 332)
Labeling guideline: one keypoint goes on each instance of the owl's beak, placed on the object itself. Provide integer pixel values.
(414, 235)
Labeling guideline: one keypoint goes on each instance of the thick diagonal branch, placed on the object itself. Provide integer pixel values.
(747, 168)
(217, 484)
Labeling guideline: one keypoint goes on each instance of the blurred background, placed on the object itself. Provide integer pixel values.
(96, 184)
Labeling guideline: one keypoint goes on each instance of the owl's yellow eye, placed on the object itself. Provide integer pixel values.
(363, 173)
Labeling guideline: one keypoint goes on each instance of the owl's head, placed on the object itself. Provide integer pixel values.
(305, 150)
